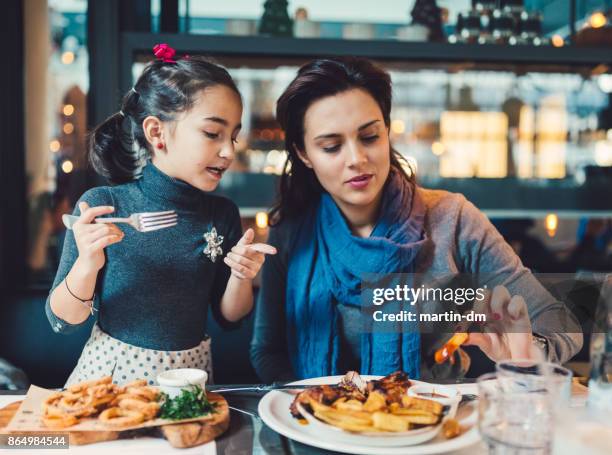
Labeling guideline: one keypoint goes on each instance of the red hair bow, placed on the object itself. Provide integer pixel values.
(164, 52)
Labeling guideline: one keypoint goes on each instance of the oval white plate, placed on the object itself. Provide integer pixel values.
(274, 411)
(400, 439)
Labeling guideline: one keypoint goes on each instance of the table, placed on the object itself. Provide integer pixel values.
(248, 434)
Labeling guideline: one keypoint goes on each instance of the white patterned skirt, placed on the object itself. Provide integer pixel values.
(104, 355)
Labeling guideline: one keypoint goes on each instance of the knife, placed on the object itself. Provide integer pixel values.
(255, 388)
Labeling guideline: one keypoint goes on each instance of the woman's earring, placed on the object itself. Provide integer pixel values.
(160, 145)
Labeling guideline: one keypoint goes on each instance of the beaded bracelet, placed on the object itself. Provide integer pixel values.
(89, 303)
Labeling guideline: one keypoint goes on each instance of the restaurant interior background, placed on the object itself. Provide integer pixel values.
(516, 117)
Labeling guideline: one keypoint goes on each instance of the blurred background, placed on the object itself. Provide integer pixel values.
(506, 101)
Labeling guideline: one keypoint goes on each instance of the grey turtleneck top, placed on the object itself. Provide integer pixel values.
(155, 288)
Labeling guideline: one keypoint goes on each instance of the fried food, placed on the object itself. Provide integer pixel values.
(127, 396)
(121, 418)
(348, 405)
(75, 388)
(59, 421)
(422, 404)
(148, 393)
(393, 386)
(451, 428)
(148, 410)
(340, 422)
(117, 406)
(376, 406)
(353, 387)
(389, 422)
(375, 402)
(136, 383)
(446, 352)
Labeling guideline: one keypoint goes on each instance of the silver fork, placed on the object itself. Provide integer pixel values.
(142, 222)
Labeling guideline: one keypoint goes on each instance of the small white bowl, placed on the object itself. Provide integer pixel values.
(443, 394)
(173, 381)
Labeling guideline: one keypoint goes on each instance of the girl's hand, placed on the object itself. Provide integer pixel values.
(246, 258)
(507, 332)
(92, 238)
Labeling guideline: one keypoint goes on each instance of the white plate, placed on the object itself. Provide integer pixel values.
(274, 411)
(399, 439)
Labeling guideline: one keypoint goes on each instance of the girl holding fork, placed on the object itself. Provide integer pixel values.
(164, 151)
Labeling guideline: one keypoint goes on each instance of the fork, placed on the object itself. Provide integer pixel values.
(142, 222)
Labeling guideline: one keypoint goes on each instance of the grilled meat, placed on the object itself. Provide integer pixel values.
(392, 387)
(325, 394)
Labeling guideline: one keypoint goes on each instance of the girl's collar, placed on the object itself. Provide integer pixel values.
(158, 185)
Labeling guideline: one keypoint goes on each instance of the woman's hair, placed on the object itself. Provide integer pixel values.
(118, 148)
(299, 186)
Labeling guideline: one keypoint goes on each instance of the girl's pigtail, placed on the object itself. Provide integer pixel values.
(111, 152)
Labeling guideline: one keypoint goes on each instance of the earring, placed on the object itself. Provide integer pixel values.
(160, 145)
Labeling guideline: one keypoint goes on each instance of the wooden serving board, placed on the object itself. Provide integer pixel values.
(180, 435)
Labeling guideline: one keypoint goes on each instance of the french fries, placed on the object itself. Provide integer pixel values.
(451, 428)
(390, 422)
(375, 415)
(348, 405)
(375, 402)
(423, 404)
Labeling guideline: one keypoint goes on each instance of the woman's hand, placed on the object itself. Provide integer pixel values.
(92, 238)
(507, 333)
(246, 258)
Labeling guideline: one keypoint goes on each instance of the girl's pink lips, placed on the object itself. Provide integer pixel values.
(360, 181)
(216, 172)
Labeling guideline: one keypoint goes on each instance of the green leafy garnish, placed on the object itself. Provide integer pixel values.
(187, 405)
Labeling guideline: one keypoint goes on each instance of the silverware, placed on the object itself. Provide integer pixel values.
(251, 414)
(256, 388)
(467, 398)
(142, 222)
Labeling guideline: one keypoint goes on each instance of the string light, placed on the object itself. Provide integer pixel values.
(261, 220)
(557, 41)
(67, 166)
(68, 128)
(398, 126)
(68, 110)
(598, 20)
(437, 148)
(67, 57)
(54, 145)
(551, 222)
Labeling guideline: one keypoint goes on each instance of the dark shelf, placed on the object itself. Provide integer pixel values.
(257, 191)
(296, 48)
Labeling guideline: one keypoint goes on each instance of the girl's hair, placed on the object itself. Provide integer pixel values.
(118, 148)
(299, 186)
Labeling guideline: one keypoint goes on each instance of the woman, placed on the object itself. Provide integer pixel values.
(349, 205)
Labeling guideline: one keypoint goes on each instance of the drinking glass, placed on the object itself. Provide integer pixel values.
(531, 376)
(513, 421)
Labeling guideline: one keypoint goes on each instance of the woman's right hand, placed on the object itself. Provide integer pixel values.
(92, 238)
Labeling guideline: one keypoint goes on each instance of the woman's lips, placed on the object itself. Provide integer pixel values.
(361, 181)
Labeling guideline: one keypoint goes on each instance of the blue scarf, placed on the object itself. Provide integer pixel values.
(326, 266)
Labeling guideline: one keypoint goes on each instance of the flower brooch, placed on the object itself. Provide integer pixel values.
(213, 244)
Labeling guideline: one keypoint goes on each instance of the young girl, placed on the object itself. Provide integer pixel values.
(166, 149)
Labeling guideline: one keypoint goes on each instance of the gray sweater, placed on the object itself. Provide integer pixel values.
(155, 288)
(461, 240)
